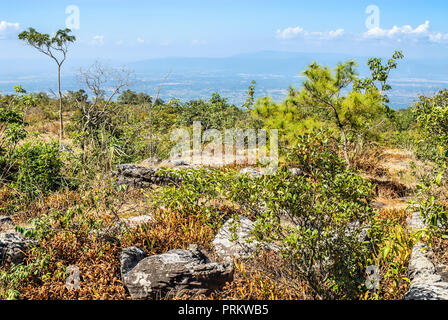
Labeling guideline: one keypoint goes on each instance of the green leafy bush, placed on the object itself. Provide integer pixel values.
(12, 131)
(432, 118)
(38, 168)
(318, 220)
(318, 226)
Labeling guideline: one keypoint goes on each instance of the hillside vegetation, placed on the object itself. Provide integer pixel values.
(351, 173)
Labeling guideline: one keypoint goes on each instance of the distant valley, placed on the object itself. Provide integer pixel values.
(198, 78)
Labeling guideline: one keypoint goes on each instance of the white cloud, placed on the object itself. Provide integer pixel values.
(295, 32)
(406, 32)
(438, 37)
(119, 42)
(8, 28)
(336, 33)
(98, 40)
(198, 42)
(140, 40)
(290, 32)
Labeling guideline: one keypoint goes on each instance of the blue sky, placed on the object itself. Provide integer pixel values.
(136, 29)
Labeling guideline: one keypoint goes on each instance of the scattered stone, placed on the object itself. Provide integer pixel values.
(258, 173)
(175, 274)
(141, 177)
(173, 163)
(359, 229)
(6, 223)
(13, 247)
(416, 221)
(296, 172)
(242, 247)
(254, 173)
(139, 220)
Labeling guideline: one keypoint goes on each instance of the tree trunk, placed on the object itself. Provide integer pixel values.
(61, 121)
(150, 130)
(344, 138)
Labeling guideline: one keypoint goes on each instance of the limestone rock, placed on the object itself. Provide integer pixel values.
(141, 177)
(426, 283)
(176, 273)
(13, 247)
(243, 246)
(432, 291)
(252, 172)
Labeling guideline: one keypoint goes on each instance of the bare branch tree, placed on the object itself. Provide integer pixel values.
(150, 111)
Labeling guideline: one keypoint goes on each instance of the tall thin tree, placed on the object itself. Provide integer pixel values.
(55, 47)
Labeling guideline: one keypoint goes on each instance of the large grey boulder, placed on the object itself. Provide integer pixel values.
(175, 274)
(13, 247)
(6, 223)
(235, 240)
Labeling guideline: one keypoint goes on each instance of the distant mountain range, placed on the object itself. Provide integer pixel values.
(193, 78)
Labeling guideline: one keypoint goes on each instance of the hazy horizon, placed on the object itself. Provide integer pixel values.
(198, 77)
(223, 45)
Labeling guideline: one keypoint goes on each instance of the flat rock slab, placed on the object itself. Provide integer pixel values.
(234, 239)
(174, 274)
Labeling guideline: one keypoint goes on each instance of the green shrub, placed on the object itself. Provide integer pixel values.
(325, 222)
(318, 220)
(12, 131)
(432, 118)
(39, 168)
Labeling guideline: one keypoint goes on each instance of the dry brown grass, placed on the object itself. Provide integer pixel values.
(266, 277)
(98, 261)
(384, 203)
(171, 230)
(369, 161)
(390, 189)
(99, 271)
(399, 215)
(439, 252)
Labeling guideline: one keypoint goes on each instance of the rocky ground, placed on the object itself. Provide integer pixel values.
(193, 271)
